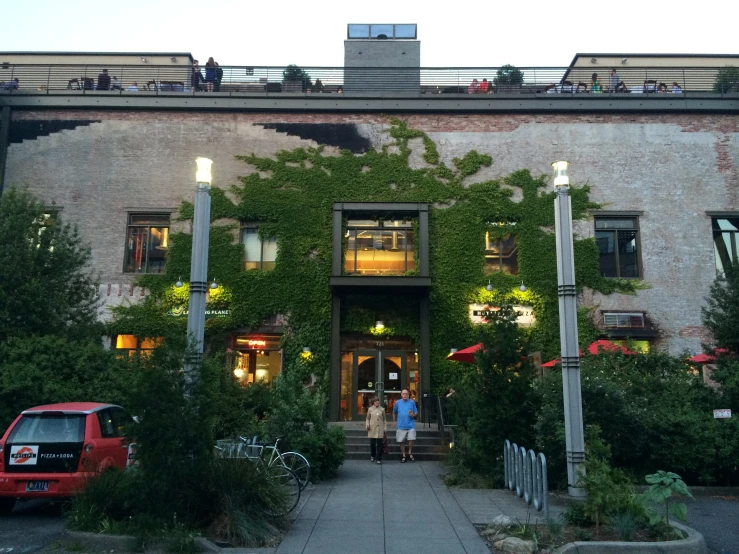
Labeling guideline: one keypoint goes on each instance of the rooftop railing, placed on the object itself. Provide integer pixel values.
(366, 81)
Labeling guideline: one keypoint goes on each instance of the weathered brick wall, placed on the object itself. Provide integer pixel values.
(673, 168)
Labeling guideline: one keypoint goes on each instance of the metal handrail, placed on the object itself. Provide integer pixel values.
(385, 81)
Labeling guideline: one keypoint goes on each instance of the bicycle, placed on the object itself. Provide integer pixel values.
(294, 461)
(284, 478)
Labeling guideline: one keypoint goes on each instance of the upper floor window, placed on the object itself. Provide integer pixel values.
(373, 247)
(147, 241)
(724, 241)
(617, 238)
(501, 254)
(260, 252)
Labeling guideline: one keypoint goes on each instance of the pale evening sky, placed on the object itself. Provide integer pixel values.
(311, 32)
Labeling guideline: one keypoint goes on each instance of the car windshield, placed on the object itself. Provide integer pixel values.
(40, 428)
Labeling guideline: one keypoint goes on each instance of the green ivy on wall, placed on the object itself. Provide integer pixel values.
(291, 197)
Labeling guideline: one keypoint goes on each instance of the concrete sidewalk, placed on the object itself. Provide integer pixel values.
(397, 508)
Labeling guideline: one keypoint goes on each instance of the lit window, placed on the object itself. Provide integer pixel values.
(259, 252)
(147, 241)
(618, 243)
(501, 255)
(724, 241)
(374, 247)
(132, 344)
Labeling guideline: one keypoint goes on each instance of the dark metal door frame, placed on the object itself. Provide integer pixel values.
(379, 383)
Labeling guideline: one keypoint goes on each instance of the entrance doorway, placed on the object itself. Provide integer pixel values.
(381, 373)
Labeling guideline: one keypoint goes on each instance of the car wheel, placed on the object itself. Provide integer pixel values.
(6, 505)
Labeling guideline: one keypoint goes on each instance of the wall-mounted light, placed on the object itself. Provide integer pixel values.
(179, 284)
(239, 372)
(261, 374)
(202, 175)
(174, 59)
(379, 325)
(489, 286)
(522, 288)
(593, 60)
(452, 351)
(214, 285)
(561, 178)
(624, 60)
(143, 59)
(306, 350)
(306, 354)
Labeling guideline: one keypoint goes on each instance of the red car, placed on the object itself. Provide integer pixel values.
(49, 451)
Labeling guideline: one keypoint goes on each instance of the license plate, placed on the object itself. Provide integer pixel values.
(37, 486)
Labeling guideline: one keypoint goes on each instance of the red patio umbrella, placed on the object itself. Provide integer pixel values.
(607, 346)
(702, 359)
(466, 355)
(551, 363)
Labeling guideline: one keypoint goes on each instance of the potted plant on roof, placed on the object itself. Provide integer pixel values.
(508, 79)
(295, 79)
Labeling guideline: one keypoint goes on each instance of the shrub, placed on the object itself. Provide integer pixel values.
(575, 514)
(497, 402)
(651, 410)
(624, 525)
(664, 486)
(508, 75)
(325, 449)
(726, 78)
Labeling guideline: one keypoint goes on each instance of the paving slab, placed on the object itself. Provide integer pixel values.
(395, 508)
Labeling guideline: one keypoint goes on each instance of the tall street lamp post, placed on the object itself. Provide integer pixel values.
(198, 268)
(568, 329)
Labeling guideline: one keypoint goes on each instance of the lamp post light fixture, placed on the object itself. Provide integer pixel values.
(198, 268)
(522, 288)
(379, 325)
(570, 352)
(214, 285)
(179, 284)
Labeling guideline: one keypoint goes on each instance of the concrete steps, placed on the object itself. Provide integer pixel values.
(427, 447)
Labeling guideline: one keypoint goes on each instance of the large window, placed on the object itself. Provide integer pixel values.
(379, 247)
(724, 241)
(130, 344)
(260, 252)
(501, 254)
(618, 243)
(147, 241)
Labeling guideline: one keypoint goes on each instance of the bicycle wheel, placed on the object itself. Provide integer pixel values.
(299, 465)
(289, 485)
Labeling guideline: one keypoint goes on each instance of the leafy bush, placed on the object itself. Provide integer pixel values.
(651, 410)
(39, 370)
(179, 485)
(294, 73)
(726, 78)
(508, 75)
(608, 489)
(665, 485)
(575, 514)
(498, 401)
(298, 416)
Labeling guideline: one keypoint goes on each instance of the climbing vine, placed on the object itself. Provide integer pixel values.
(291, 197)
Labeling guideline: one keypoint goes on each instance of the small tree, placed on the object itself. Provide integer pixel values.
(721, 313)
(46, 286)
(508, 75)
(726, 78)
(497, 401)
(294, 73)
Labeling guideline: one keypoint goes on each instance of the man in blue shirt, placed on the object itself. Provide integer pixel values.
(405, 410)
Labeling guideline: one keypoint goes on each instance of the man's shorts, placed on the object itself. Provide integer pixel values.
(402, 434)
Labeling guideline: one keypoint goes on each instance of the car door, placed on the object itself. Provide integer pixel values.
(121, 420)
(109, 444)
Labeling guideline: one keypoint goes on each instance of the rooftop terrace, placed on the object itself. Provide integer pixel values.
(340, 88)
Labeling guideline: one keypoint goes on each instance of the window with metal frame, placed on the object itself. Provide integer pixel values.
(259, 252)
(617, 238)
(374, 247)
(501, 254)
(725, 231)
(131, 344)
(147, 242)
(623, 320)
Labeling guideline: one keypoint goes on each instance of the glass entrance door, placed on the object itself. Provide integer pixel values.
(377, 373)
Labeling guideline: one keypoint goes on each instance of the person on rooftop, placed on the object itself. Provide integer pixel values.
(474, 87)
(103, 80)
(613, 81)
(484, 87)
